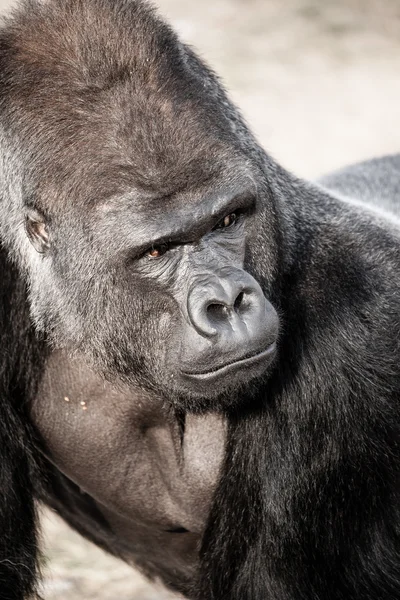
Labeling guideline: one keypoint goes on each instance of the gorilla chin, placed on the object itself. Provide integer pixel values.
(249, 365)
(226, 385)
(249, 361)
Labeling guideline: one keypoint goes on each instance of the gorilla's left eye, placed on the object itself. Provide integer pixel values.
(227, 221)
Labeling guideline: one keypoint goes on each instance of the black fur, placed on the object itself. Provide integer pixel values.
(20, 473)
(317, 459)
(307, 507)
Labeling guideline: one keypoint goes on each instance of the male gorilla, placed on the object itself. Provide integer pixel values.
(200, 353)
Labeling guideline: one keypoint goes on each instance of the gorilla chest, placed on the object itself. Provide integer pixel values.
(124, 471)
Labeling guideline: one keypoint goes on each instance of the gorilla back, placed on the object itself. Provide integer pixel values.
(246, 323)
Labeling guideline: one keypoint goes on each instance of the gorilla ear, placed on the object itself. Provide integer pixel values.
(36, 229)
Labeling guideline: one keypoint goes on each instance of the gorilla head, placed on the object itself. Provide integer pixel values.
(136, 202)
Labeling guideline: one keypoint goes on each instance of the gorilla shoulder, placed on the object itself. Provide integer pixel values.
(374, 182)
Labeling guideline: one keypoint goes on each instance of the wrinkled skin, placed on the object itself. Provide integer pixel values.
(202, 366)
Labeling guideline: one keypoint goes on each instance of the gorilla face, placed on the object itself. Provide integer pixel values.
(156, 290)
(222, 330)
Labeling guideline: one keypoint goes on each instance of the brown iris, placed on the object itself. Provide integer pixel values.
(227, 221)
(157, 251)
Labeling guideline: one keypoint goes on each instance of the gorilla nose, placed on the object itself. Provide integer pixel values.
(227, 306)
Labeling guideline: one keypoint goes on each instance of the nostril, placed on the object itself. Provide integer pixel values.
(238, 305)
(217, 311)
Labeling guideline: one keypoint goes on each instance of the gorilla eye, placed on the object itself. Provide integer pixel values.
(157, 251)
(227, 221)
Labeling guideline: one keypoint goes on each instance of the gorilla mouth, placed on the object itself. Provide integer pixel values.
(245, 361)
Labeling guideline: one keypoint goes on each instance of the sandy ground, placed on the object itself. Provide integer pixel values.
(319, 82)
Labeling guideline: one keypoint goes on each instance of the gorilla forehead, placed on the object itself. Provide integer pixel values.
(126, 94)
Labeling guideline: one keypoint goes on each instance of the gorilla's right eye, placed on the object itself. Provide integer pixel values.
(156, 251)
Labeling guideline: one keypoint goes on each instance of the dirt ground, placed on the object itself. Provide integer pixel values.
(319, 82)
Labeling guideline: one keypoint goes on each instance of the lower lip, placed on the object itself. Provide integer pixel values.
(245, 362)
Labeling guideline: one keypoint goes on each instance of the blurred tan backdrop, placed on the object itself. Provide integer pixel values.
(319, 82)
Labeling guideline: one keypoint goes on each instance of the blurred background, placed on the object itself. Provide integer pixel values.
(319, 83)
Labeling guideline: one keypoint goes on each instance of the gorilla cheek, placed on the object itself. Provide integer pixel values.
(141, 345)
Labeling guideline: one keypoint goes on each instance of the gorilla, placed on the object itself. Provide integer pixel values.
(200, 353)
